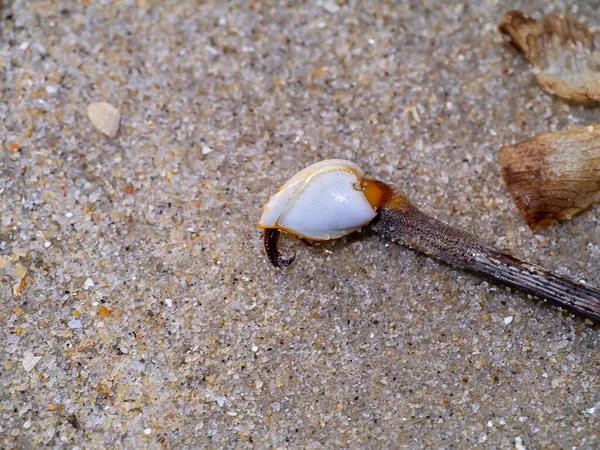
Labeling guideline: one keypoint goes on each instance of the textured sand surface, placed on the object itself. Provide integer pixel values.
(137, 308)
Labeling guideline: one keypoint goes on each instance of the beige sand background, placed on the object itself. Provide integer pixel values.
(137, 308)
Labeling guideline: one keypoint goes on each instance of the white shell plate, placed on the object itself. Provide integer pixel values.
(320, 202)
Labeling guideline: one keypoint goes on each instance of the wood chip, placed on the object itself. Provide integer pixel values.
(104, 117)
(563, 53)
(553, 175)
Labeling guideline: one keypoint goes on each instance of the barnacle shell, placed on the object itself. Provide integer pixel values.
(105, 117)
(553, 175)
(564, 54)
(324, 201)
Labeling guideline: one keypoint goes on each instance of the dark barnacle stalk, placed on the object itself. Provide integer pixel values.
(272, 249)
(401, 222)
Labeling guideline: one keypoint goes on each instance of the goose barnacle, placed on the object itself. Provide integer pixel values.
(333, 198)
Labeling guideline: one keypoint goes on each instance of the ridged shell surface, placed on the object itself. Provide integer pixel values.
(323, 201)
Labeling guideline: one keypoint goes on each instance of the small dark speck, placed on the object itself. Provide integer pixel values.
(72, 419)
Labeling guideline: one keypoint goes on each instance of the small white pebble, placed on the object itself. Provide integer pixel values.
(254, 348)
(211, 50)
(591, 410)
(508, 320)
(105, 117)
(47, 244)
(490, 424)
(68, 215)
(51, 89)
(331, 7)
(24, 46)
(519, 443)
(29, 361)
(27, 425)
(231, 413)
(74, 323)
(558, 381)
(415, 114)
(419, 146)
(148, 431)
(39, 48)
(169, 302)
(493, 133)
(206, 150)
(590, 129)
(89, 283)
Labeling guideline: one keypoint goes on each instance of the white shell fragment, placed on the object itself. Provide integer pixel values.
(324, 201)
(105, 117)
(29, 361)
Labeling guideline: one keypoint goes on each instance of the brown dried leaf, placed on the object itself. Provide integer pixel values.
(553, 175)
(564, 54)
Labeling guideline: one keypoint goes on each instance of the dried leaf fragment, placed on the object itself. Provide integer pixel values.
(564, 54)
(105, 117)
(553, 175)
